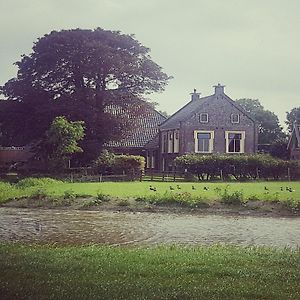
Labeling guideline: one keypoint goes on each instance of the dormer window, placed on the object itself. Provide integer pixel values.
(203, 118)
(235, 118)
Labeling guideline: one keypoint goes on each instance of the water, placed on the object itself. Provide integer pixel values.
(125, 228)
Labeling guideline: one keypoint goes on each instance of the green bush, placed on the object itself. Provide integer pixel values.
(69, 194)
(233, 198)
(240, 167)
(39, 194)
(131, 165)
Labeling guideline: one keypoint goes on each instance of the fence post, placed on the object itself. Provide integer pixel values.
(257, 173)
(163, 176)
(289, 174)
(151, 174)
(221, 173)
(100, 178)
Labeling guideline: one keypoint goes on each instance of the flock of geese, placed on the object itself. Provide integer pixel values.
(205, 188)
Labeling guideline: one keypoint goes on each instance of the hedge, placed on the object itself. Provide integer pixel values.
(131, 165)
(240, 167)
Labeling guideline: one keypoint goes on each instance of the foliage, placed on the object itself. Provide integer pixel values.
(60, 142)
(269, 127)
(240, 167)
(131, 165)
(234, 198)
(291, 117)
(31, 182)
(84, 75)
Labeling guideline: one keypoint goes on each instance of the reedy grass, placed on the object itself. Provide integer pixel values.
(164, 272)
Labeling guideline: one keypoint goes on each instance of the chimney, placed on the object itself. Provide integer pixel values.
(219, 89)
(195, 95)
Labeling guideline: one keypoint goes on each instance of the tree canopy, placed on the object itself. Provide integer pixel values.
(60, 142)
(292, 117)
(270, 131)
(81, 74)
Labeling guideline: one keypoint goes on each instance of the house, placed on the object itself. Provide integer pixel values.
(212, 124)
(294, 142)
(205, 125)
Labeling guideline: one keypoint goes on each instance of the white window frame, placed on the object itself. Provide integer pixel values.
(242, 145)
(170, 141)
(176, 141)
(238, 119)
(211, 141)
(200, 117)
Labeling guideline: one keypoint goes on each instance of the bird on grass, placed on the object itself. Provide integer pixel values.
(266, 189)
(281, 188)
(206, 188)
(178, 187)
(171, 188)
(193, 188)
(152, 188)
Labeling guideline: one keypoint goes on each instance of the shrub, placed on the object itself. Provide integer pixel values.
(103, 197)
(131, 165)
(69, 194)
(241, 167)
(234, 198)
(39, 194)
(31, 181)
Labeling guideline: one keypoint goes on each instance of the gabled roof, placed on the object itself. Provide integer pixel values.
(191, 107)
(184, 112)
(145, 129)
(295, 135)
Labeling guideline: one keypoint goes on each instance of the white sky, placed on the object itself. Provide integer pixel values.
(251, 46)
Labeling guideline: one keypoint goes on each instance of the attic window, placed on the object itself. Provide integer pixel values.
(203, 118)
(235, 118)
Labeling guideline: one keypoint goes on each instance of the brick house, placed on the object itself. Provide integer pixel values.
(294, 142)
(212, 124)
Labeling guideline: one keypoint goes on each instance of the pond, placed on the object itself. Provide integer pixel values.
(126, 228)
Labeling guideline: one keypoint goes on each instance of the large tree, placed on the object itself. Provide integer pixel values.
(83, 75)
(292, 117)
(270, 131)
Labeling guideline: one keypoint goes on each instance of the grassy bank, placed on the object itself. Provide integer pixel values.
(93, 272)
(158, 193)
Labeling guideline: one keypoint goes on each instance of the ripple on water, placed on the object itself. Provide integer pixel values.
(83, 227)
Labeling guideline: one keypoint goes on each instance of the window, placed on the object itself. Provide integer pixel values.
(203, 118)
(235, 141)
(235, 118)
(170, 142)
(176, 141)
(164, 142)
(204, 141)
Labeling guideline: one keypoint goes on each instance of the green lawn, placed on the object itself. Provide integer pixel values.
(95, 272)
(204, 191)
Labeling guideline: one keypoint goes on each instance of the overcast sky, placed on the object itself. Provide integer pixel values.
(251, 46)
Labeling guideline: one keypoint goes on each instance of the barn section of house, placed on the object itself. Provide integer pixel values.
(213, 124)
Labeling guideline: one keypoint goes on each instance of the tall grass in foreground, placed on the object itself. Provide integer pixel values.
(174, 272)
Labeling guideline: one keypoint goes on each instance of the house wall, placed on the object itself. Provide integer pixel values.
(219, 113)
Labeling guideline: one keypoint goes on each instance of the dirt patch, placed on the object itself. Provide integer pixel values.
(251, 208)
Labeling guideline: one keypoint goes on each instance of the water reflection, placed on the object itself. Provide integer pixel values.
(112, 228)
